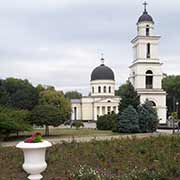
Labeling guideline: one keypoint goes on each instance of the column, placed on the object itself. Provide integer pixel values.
(112, 109)
(106, 110)
(95, 113)
(100, 110)
(117, 111)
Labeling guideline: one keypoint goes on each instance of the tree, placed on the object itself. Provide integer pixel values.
(47, 115)
(148, 118)
(73, 95)
(55, 106)
(129, 121)
(128, 97)
(171, 84)
(17, 93)
(13, 121)
(57, 99)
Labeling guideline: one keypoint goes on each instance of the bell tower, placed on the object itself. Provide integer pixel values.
(145, 71)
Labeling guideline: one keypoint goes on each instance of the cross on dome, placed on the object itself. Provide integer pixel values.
(102, 58)
(145, 4)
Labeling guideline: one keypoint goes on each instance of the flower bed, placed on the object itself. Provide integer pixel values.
(149, 158)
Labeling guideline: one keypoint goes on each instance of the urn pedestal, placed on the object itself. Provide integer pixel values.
(34, 158)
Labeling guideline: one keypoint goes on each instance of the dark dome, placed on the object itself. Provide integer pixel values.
(145, 17)
(102, 72)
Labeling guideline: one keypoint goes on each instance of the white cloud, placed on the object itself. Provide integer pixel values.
(59, 42)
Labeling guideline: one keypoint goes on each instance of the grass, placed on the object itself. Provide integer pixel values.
(65, 132)
(129, 159)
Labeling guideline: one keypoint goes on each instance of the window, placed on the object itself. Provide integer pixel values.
(92, 89)
(147, 30)
(109, 89)
(148, 53)
(153, 103)
(104, 89)
(149, 79)
(99, 89)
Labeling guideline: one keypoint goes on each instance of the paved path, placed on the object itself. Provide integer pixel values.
(90, 138)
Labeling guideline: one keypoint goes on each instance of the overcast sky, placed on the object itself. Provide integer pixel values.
(59, 42)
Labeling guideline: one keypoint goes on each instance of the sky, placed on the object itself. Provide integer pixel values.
(60, 42)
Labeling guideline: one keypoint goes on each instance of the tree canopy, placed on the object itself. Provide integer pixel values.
(18, 94)
(57, 99)
(52, 110)
(171, 84)
(148, 118)
(73, 95)
(129, 120)
(128, 96)
(13, 121)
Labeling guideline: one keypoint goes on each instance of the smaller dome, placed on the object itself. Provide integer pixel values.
(102, 72)
(145, 17)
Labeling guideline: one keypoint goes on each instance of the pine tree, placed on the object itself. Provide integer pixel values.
(128, 97)
(148, 118)
(129, 121)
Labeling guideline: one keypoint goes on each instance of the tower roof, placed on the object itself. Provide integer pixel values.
(102, 72)
(145, 17)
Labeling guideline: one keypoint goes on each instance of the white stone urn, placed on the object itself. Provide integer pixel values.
(34, 158)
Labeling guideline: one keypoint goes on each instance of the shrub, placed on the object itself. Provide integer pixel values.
(13, 121)
(104, 122)
(77, 124)
(128, 121)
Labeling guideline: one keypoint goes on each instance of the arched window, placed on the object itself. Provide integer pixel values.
(148, 50)
(109, 89)
(92, 89)
(149, 79)
(153, 103)
(99, 89)
(104, 89)
(147, 30)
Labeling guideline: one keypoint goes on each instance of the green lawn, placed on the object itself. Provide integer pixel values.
(66, 132)
(150, 158)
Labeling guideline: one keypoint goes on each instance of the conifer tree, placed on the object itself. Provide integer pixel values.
(128, 97)
(148, 118)
(129, 121)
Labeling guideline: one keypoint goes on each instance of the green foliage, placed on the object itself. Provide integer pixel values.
(13, 121)
(18, 94)
(148, 118)
(152, 158)
(107, 122)
(104, 122)
(129, 121)
(46, 115)
(77, 124)
(115, 122)
(171, 84)
(128, 96)
(73, 95)
(56, 99)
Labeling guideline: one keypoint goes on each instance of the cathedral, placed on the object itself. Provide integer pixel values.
(145, 75)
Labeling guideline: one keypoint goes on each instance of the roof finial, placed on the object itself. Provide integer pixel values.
(145, 4)
(102, 58)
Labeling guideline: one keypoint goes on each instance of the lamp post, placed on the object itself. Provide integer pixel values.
(177, 108)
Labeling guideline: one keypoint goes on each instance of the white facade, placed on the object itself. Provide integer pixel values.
(145, 74)
(145, 71)
(102, 100)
